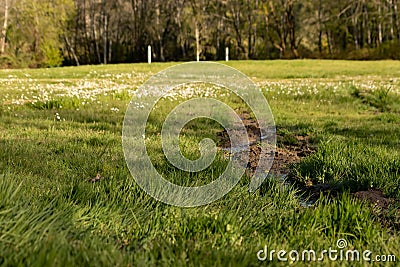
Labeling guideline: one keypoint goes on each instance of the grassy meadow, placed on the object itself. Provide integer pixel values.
(60, 127)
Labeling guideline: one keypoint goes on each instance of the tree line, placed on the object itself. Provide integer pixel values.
(44, 33)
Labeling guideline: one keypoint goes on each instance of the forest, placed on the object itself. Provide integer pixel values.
(37, 33)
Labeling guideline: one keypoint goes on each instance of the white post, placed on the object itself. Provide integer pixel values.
(149, 54)
(197, 43)
(227, 54)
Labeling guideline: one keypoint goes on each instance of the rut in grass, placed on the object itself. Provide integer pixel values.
(290, 150)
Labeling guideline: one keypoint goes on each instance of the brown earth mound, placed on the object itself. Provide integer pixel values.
(284, 154)
(375, 197)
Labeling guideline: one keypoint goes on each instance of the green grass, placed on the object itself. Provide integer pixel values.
(282, 69)
(60, 127)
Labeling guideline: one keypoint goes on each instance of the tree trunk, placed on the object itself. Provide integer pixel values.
(250, 30)
(105, 39)
(89, 52)
(395, 19)
(367, 25)
(197, 43)
(380, 35)
(329, 41)
(391, 21)
(159, 34)
(4, 29)
(320, 27)
(94, 32)
(180, 27)
(354, 19)
(110, 51)
(237, 27)
(267, 34)
(291, 21)
(255, 30)
(71, 48)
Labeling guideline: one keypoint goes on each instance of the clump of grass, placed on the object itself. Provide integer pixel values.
(381, 99)
(355, 165)
(287, 139)
(64, 103)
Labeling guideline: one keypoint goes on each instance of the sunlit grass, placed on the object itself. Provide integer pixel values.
(60, 127)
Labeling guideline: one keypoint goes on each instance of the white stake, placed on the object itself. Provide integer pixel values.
(197, 43)
(227, 54)
(149, 54)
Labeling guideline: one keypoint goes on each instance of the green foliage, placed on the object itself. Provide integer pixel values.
(10, 61)
(34, 35)
(389, 50)
(40, 32)
(52, 55)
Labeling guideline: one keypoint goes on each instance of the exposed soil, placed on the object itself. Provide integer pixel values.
(285, 154)
(375, 197)
(291, 152)
(384, 208)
